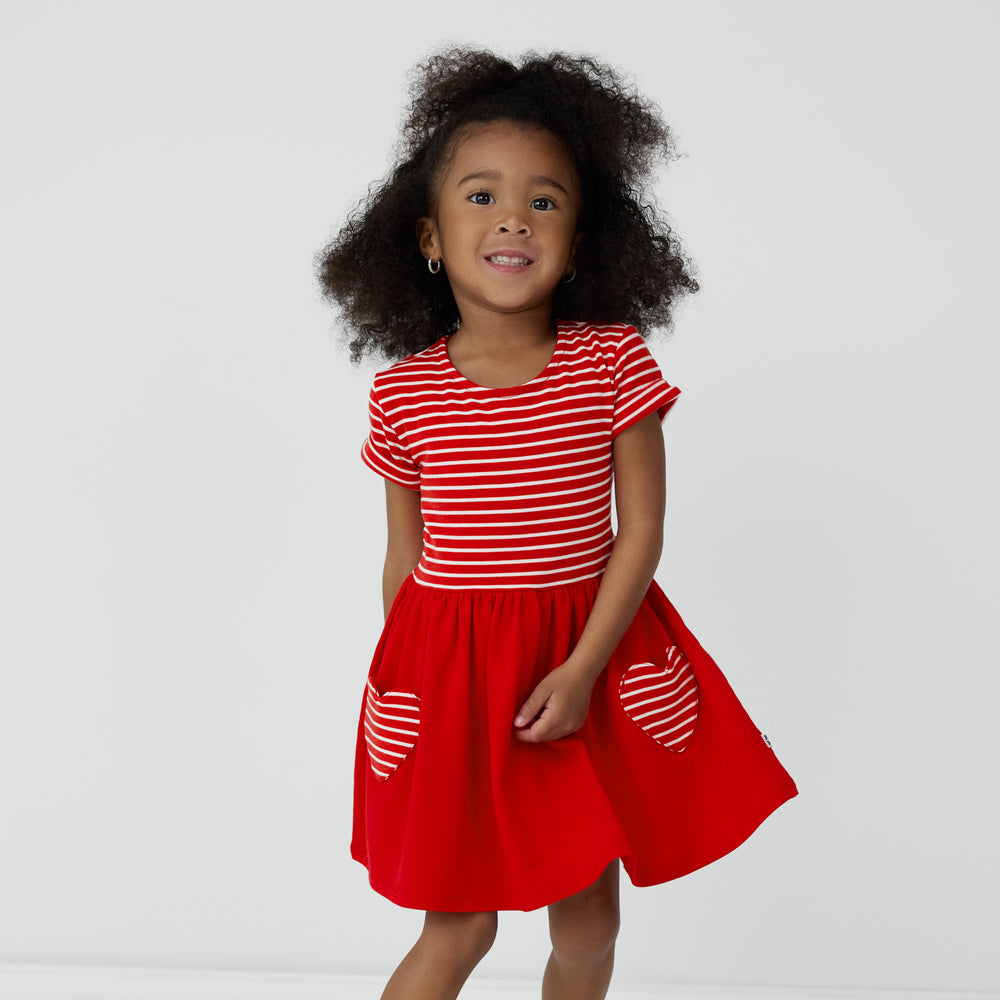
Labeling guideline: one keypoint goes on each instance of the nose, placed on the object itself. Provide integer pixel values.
(513, 223)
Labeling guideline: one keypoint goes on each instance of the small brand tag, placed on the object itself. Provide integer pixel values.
(766, 740)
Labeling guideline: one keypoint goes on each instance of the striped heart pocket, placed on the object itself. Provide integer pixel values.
(392, 721)
(662, 700)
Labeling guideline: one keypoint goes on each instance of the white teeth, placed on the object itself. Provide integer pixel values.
(510, 261)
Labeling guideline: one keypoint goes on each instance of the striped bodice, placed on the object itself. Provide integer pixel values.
(515, 483)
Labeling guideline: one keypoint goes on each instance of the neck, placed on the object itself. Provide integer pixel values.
(508, 330)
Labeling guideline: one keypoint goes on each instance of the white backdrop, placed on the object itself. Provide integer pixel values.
(191, 547)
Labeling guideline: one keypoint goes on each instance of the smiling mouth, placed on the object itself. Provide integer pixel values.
(505, 261)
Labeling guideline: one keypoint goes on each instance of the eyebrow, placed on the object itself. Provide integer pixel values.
(495, 175)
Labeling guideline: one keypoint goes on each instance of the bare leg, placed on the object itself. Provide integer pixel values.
(449, 948)
(583, 928)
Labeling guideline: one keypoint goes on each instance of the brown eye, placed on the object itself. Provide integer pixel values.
(543, 204)
(481, 198)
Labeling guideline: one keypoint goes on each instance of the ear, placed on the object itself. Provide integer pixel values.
(427, 238)
(572, 253)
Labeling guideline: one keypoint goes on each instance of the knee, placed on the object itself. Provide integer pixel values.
(584, 930)
(465, 937)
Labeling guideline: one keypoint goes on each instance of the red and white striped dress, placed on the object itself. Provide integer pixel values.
(452, 811)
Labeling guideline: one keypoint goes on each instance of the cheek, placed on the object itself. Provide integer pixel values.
(450, 230)
(571, 237)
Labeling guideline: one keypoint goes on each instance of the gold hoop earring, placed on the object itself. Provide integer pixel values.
(566, 280)
(431, 267)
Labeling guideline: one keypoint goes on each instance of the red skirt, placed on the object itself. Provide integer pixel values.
(453, 812)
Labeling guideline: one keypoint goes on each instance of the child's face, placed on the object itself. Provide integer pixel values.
(504, 220)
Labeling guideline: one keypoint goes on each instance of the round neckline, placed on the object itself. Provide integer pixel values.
(541, 376)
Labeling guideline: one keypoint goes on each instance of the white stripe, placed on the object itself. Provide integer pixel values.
(516, 469)
(520, 484)
(649, 701)
(485, 442)
(391, 694)
(552, 388)
(380, 751)
(472, 442)
(684, 725)
(519, 510)
(400, 708)
(555, 399)
(539, 572)
(510, 524)
(397, 718)
(642, 677)
(518, 548)
(664, 704)
(373, 740)
(508, 562)
(401, 732)
(670, 682)
(604, 485)
(402, 431)
(390, 764)
(690, 705)
(491, 584)
(431, 457)
(535, 534)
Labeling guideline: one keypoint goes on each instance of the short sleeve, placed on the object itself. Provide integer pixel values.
(640, 388)
(384, 452)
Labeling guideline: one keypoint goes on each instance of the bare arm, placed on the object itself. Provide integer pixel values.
(559, 704)
(405, 531)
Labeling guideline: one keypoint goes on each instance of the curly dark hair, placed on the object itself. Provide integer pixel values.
(630, 266)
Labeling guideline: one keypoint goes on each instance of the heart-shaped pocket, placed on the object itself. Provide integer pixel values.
(662, 700)
(392, 721)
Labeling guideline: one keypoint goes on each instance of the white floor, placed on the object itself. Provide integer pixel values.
(68, 982)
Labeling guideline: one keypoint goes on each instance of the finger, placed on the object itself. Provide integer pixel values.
(540, 732)
(531, 708)
(544, 730)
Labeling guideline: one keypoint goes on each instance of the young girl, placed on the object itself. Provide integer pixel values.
(536, 708)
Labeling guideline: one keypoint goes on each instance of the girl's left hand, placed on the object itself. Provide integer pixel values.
(557, 707)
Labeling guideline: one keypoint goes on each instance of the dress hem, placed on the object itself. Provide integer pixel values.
(554, 892)
(721, 847)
